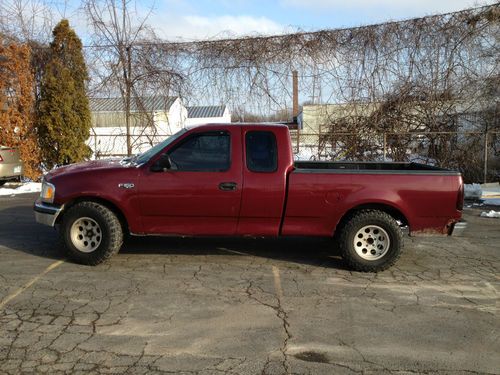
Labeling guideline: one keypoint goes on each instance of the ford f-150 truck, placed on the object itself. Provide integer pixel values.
(241, 180)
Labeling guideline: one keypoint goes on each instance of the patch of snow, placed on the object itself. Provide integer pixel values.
(473, 191)
(491, 213)
(28, 187)
(306, 154)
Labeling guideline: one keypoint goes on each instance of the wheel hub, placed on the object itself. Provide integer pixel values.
(371, 242)
(86, 234)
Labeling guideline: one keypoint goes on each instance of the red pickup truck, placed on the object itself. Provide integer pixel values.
(241, 180)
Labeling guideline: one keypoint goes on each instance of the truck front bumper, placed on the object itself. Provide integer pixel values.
(46, 213)
(458, 228)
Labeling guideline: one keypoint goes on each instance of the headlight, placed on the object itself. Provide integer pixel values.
(48, 192)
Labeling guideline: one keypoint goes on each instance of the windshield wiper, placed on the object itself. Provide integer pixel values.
(135, 158)
(129, 159)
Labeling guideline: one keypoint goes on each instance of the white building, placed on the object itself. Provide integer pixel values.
(152, 119)
(197, 115)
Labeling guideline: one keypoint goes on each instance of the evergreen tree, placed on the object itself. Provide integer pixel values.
(63, 114)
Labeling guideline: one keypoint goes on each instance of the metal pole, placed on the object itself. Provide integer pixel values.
(298, 139)
(385, 146)
(485, 157)
(295, 92)
(128, 82)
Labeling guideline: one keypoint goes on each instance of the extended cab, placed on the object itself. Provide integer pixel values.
(240, 180)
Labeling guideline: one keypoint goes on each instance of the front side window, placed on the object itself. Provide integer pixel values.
(262, 155)
(205, 152)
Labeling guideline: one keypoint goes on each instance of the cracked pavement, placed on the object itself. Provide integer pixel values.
(246, 306)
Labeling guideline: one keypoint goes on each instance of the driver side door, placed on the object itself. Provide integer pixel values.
(200, 193)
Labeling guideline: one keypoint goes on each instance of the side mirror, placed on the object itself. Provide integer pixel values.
(163, 164)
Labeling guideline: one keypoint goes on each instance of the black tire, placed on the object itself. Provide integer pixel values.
(3, 182)
(110, 229)
(356, 258)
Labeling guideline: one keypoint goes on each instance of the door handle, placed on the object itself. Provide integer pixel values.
(228, 186)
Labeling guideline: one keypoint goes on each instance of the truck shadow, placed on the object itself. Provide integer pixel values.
(311, 251)
(20, 232)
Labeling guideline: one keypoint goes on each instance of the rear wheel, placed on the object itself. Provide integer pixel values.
(371, 241)
(91, 233)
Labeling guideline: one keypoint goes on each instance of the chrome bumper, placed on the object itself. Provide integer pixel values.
(46, 214)
(459, 228)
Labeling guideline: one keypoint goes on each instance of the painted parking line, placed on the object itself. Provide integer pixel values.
(10, 297)
(277, 282)
(233, 251)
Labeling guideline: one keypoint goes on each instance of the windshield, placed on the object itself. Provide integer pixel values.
(145, 156)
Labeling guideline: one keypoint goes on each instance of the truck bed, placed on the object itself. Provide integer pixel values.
(369, 168)
(320, 193)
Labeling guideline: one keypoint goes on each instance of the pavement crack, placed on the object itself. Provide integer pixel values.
(282, 316)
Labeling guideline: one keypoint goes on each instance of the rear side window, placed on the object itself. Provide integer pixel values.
(205, 152)
(261, 151)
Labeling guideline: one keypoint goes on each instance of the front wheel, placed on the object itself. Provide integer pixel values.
(371, 241)
(91, 233)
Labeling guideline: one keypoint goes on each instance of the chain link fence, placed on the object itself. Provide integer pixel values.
(112, 145)
(422, 90)
(476, 155)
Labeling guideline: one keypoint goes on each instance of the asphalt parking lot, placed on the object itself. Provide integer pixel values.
(232, 306)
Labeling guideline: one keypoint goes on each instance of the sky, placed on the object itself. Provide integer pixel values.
(201, 19)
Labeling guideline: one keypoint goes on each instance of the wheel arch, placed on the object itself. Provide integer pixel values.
(106, 203)
(396, 213)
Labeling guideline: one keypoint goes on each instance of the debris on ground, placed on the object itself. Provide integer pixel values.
(491, 213)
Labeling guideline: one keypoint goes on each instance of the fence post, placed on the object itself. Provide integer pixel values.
(385, 146)
(95, 145)
(485, 177)
(298, 139)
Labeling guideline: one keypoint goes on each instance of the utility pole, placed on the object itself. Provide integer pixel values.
(128, 84)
